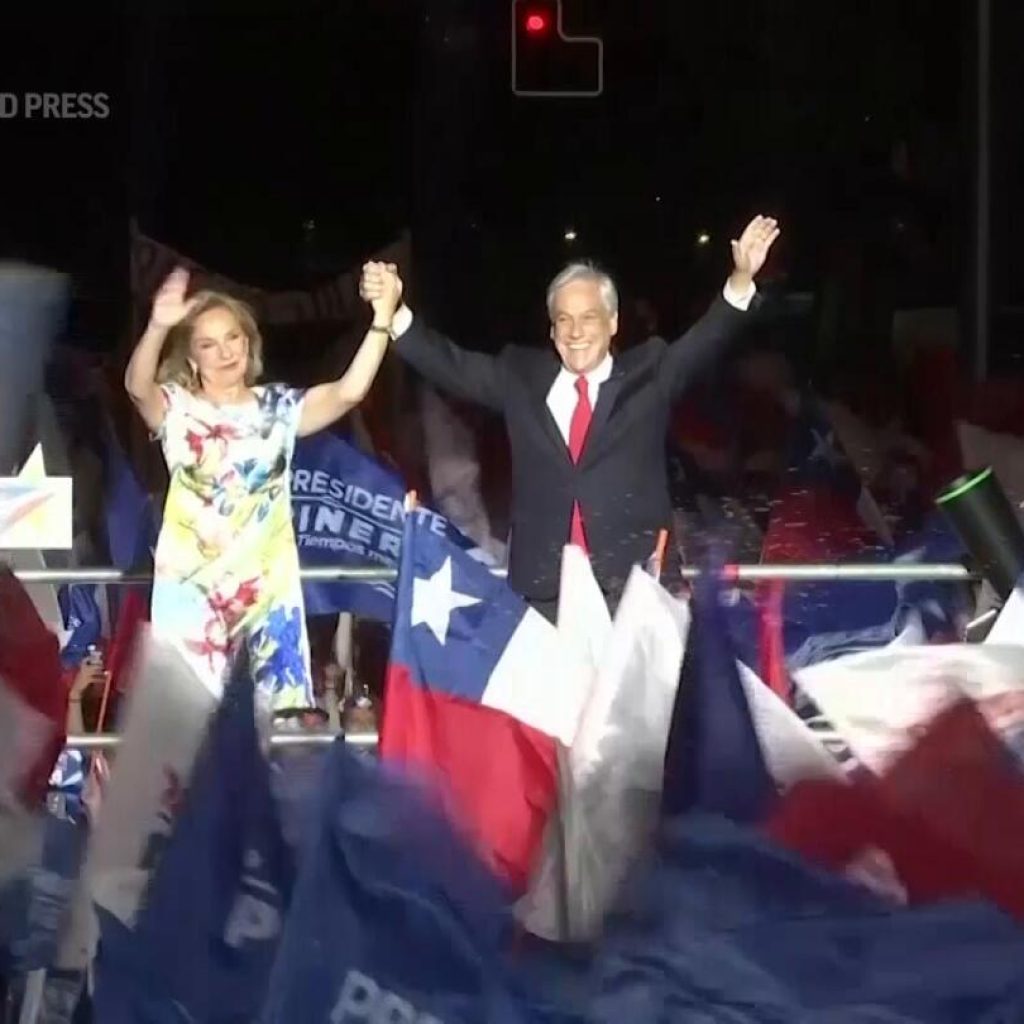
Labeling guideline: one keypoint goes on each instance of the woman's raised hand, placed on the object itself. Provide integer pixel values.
(170, 306)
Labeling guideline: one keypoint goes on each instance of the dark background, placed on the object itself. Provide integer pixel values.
(279, 144)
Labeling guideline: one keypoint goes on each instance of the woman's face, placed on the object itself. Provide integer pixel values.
(219, 349)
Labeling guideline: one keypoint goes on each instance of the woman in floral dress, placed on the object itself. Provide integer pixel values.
(227, 568)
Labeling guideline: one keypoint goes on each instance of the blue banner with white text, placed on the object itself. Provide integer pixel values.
(348, 511)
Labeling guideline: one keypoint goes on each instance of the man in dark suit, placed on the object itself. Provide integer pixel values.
(586, 427)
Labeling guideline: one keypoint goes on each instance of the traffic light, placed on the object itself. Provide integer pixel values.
(546, 60)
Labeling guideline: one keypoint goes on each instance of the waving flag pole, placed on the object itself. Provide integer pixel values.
(98, 766)
(657, 560)
(772, 637)
(102, 720)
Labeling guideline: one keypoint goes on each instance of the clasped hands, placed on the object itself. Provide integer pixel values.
(381, 286)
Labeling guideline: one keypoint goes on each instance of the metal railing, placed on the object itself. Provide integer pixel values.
(864, 573)
(903, 572)
(109, 740)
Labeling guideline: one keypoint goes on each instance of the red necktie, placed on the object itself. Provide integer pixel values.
(578, 427)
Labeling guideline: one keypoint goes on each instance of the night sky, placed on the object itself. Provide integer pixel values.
(281, 147)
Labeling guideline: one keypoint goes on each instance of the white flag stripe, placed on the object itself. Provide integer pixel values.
(616, 765)
(648, 639)
(584, 622)
(1009, 626)
(879, 700)
(792, 752)
(167, 714)
(618, 761)
(585, 626)
(538, 680)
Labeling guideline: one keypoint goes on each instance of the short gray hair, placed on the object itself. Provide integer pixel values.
(585, 271)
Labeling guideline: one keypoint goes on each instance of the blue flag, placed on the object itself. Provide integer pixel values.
(130, 517)
(943, 608)
(34, 905)
(827, 620)
(393, 918)
(725, 926)
(713, 761)
(82, 619)
(348, 511)
(208, 934)
(52, 886)
(295, 775)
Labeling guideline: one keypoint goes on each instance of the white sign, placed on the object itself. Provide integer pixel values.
(35, 514)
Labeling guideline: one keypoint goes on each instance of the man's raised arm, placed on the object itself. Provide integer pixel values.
(470, 376)
(708, 338)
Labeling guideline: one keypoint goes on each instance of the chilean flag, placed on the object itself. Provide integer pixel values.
(480, 690)
(33, 696)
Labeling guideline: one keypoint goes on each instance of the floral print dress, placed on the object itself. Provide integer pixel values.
(226, 566)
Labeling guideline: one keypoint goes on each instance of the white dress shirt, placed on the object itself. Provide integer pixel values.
(562, 397)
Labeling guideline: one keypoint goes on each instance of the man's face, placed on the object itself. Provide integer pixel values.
(581, 327)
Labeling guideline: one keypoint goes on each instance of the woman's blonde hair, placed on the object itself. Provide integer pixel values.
(175, 367)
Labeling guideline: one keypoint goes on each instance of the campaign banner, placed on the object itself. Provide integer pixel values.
(348, 510)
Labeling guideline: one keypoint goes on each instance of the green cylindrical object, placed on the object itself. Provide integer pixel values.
(984, 519)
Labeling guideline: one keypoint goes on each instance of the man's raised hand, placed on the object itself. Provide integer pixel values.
(750, 250)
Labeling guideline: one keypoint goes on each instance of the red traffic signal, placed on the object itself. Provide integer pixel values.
(547, 59)
(536, 22)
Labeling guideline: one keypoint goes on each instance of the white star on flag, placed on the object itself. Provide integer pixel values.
(433, 601)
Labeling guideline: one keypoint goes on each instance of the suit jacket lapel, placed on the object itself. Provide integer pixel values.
(542, 382)
(607, 397)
